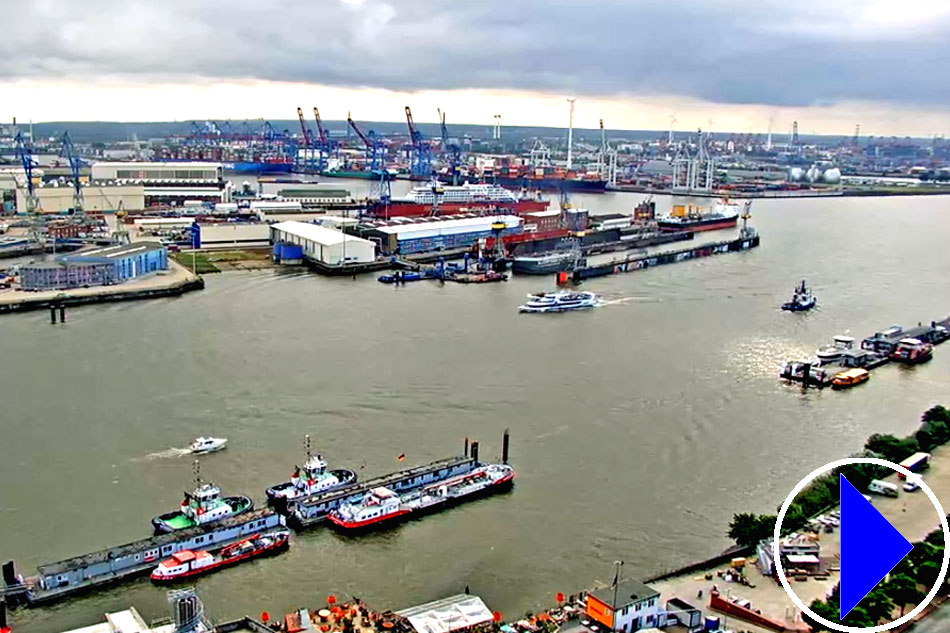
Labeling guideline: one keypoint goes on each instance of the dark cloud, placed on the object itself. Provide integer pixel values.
(769, 52)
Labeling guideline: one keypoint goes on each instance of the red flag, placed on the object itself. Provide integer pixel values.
(401, 457)
(560, 596)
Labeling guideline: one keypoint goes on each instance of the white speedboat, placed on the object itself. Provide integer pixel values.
(204, 445)
(562, 301)
(833, 353)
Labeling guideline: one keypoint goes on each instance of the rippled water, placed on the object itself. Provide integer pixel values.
(637, 428)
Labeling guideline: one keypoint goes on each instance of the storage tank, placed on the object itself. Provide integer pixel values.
(795, 174)
(813, 173)
(832, 176)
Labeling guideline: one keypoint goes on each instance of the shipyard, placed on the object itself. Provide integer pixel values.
(379, 317)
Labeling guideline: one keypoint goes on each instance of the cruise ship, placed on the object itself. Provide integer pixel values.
(437, 199)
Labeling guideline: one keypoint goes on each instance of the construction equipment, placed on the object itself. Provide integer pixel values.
(375, 151)
(421, 164)
(75, 164)
(452, 153)
(24, 151)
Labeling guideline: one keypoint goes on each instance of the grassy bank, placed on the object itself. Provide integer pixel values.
(218, 261)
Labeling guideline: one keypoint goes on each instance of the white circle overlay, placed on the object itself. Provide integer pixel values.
(907, 617)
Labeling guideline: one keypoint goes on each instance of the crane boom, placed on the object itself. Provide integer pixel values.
(303, 127)
(445, 131)
(69, 151)
(320, 130)
(413, 133)
(359, 133)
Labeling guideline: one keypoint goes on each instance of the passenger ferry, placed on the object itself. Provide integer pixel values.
(383, 505)
(202, 506)
(912, 351)
(189, 563)
(310, 479)
(563, 301)
(850, 378)
(832, 354)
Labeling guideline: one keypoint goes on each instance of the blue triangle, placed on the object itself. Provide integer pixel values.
(870, 547)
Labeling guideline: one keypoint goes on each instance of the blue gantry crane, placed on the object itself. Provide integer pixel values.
(24, 151)
(451, 153)
(375, 151)
(75, 164)
(421, 162)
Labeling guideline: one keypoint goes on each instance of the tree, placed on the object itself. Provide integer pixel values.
(743, 529)
(903, 591)
(927, 573)
(878, 605)
(890, 447)
(937, 412)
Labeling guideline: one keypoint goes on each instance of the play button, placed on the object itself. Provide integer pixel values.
(870, 547)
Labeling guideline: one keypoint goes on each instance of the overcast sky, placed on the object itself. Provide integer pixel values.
(725, 64)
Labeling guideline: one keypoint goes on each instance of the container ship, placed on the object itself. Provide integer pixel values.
(724, 215)
(382, 505)
(189, 563)
(438, 199)
(541, 179)
(268, 166)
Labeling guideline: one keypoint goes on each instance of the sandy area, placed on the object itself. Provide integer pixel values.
(911, 513)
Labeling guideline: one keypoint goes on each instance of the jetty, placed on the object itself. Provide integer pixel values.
(61, 579)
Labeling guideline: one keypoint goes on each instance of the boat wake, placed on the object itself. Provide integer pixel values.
(168, 453)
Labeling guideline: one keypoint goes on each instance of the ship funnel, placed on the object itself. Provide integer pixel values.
(504, 446)
(475, 451)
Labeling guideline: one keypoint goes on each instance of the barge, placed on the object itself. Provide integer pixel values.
(315, 509)
(190, 563)
(62, 579)
(381, 506)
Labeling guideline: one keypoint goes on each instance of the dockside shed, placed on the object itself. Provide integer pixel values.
(324, 245)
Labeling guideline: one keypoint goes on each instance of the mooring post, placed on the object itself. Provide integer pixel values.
(504, 446)
(475, 451)
(466, 447)
(52, 315)
(62, 314)
(806, 374)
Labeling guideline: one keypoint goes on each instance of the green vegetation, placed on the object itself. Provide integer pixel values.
(207, 261)
(199, 261)
(822, 493)
(907, 584)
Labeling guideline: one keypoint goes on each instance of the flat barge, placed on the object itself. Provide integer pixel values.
(315, 509)
(66, 578)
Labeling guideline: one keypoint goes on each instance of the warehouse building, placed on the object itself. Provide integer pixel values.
(420, 237)
(96, 196)
(324, 245)
(95, 267)
(171, 183)
(230, 235)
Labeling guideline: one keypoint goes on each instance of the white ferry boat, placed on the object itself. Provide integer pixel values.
(562, 301)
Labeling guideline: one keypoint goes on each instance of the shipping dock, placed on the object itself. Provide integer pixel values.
(313, 510)
(62, 579)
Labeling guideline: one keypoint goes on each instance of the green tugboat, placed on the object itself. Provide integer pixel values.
(202, 506)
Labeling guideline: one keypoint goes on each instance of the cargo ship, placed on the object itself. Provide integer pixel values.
(190, 563)
(382, 505)
(438, 199)
(724, 215)
(547, 263)
(537, 179)
(312, 478)
(269, 166)
(202, 506)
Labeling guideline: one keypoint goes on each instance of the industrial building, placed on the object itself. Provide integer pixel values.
(324, 245)
(230, 235)
(95, 267)
(418, 237)
(96, 196)
(171, 183)
(626, 606)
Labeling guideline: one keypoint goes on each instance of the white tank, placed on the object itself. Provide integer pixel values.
(832, 176)
(813, 173)
(795, 174)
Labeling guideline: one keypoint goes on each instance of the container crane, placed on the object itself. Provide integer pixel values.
(326, 147)
(303, 127)
(310, 149)
(422, 154)
(24, 151)
(374, 149)
(75, 164)
(452, 152)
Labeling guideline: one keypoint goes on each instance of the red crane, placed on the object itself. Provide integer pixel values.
(320, 130)
(303, 128)
(369, 144)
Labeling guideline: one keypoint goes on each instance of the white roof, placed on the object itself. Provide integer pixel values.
(448, 614)
(544, 214)
(455, 226)
(159, 165)
(803, 559)
(317, 233)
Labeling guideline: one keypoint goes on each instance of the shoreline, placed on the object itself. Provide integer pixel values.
(786, 195)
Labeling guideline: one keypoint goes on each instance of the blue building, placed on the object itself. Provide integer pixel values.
(100, 266)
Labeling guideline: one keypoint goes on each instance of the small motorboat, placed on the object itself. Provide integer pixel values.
(562, 301)
(802, 299)
(204, 445)
(400, 277)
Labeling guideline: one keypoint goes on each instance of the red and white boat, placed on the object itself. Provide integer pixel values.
(189, 563)
(912, 351)
(382, 505)
(438, 199)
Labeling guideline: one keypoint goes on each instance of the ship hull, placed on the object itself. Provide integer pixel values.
(167, 523)
(413, 209)
(544, 266)
(915, 360)
(281, 502)
(699, 225)
(255, 167)
(277, 548)
(359, 527)
(548, 184)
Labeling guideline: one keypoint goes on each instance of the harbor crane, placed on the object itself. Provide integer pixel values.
(421, 165)
(325, 144)
(24, 151)
(451, 151)
(310, 148)
(75, 164)
(303, 128)
(374, 149)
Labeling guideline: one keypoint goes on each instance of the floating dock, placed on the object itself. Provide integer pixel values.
(65, 578)
(642, 262)
(313, 510)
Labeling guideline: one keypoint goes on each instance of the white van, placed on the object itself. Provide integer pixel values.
(912, 485)
(883, 488)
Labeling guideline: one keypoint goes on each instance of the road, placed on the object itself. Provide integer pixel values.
(936, 622)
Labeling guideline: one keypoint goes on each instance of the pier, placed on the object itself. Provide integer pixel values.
(642, 262)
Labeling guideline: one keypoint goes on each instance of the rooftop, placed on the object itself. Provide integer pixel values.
(110, 252)
(449, 614)
(509, 220)
(627, 592)
(128, 621)
(316, 233)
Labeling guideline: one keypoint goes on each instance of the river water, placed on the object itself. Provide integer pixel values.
(637, 428)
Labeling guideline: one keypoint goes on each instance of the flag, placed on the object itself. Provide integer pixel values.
(401, 457)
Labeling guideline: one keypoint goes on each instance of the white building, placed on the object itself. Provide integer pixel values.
(95, 197)
(168, 183)
(627, 606)
(324, 245)
(233, 235)
(128, 621)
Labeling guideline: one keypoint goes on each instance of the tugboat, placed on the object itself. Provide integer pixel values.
(382, 505)
(189, 563)
(562, 301)
(802, 299)
(202, 506)
(312, 478)
(912, 351)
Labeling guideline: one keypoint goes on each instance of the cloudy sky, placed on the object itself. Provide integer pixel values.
(728, 65)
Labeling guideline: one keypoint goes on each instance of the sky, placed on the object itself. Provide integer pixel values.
(724, 65)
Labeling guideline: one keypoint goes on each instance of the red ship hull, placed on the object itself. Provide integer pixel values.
(699, 225)
(276, 548)
(413, 209)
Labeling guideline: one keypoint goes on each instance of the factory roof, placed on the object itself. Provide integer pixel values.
(627, 592)
(112, 252)
(316, 233)
(461, 223)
